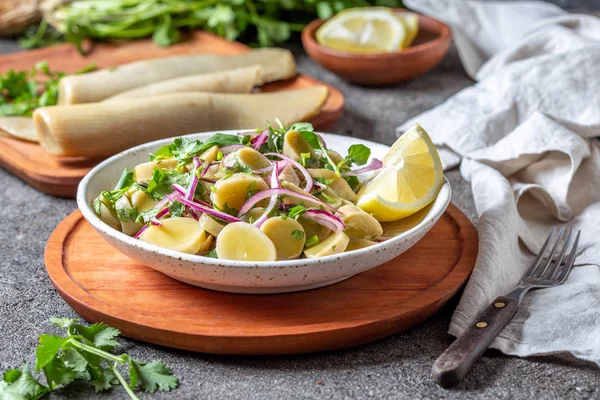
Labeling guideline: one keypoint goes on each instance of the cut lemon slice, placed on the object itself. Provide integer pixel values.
(411, 23)
(364, 30)
(409, 180)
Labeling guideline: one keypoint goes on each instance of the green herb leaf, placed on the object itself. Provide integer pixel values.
(296, 211)
(63, 323)
(311, 138)
(19, 90)
(127, 214)
(297, 234)
(100, 334)
(162, 182)
(126, 180)
(83, 354)
(47, 349)
(57, 373)
(146, 216)
(358, 154)
(19, 385)
(152, 376)
(166, 34)
(176, 209)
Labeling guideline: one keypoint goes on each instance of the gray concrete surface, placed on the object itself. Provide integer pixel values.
(394, 368)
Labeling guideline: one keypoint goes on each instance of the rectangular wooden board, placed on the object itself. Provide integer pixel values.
(59, 176)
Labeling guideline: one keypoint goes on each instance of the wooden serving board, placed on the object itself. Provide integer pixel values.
(147, 305)
(59, 176)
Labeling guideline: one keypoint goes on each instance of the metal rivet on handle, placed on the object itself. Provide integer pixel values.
(499, 304)
(481, 324)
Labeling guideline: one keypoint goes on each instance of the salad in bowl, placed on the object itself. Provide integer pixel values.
(285, 197)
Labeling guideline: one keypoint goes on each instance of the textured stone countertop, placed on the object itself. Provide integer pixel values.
(397, 367)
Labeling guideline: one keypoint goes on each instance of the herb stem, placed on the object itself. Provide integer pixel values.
(98, 352)
(123, 383)
(329, 160)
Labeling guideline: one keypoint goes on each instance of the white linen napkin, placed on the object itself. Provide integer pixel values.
(524, 137)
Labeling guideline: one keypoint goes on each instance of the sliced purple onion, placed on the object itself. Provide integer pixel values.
(280, 191)
(179, 189)
(326, 219)
(231, 148)
(299, 167)
(161, 213)
(273, 201)
(206, 167)
(210, 211)
(228, 160)
(189, 194)
(263, 170)
(139, 233)
(320, 185)
(374, 165)
(260, 139)
(194, 214)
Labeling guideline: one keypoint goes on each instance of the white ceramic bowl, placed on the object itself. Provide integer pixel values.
(244, 276)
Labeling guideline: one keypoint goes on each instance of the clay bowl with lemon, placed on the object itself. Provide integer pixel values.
(407, 194)
(377, 46)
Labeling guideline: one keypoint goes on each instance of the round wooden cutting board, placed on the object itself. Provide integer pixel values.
(102, 284)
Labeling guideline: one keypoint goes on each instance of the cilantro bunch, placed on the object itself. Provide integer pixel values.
(83, 353)
(21, 92)
(259, 22)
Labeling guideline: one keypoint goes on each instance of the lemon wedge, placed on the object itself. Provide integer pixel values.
(409, 180)
(364, 30)
(411, 23)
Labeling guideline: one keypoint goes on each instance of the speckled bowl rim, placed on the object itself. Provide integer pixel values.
(439, 206)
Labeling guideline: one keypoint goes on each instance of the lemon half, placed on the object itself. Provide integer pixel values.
(364, 30)
(410, 179)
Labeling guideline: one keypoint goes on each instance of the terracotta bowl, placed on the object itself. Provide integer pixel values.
(428, 49)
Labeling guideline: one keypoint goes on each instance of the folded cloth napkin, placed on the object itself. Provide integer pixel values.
(524, 136)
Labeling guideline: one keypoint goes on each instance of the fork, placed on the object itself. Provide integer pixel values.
(546, 271)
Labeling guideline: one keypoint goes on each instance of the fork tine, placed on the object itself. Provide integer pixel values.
(552, 253)
(540, 255)
(557, 265)
(570, 261)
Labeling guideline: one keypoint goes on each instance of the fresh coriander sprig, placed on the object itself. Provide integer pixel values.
(83, 353)
(260, 22)
(22, 92)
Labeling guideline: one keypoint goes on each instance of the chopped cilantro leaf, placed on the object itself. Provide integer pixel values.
(127, 214)
(152, 376)
(296, 211)
(184, 149)
(252, 190)
(176, 209)
(228, 210)
(146, 216)
(324, 181)
(162, 182)
(297, 234)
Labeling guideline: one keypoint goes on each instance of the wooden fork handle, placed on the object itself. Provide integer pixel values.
(458, 359)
